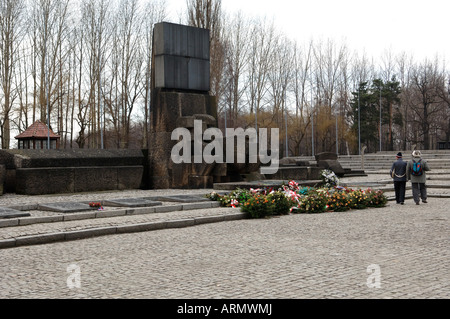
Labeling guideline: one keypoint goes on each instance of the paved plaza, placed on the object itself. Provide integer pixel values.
(392, 252)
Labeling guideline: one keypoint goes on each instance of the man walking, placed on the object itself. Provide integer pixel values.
(415, 172)
(398, 173)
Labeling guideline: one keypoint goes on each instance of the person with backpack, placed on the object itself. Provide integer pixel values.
(398, 173)
(415, 172)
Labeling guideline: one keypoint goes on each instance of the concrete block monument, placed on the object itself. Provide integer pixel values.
(180, 95)
(330, 161)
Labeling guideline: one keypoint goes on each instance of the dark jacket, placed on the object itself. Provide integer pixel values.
(399, 170)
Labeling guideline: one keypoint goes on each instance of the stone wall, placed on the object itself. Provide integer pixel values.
(40, 172)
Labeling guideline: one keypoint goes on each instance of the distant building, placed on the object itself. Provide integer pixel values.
(36, 136)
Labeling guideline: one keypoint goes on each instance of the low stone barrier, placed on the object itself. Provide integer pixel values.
(40, 172)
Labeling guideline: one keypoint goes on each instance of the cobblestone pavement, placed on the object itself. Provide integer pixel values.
(392, 252)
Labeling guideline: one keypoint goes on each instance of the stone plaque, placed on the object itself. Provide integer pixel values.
(132, 202)
(6, 212)
(65, 207)
(182, 57)
(182, 198)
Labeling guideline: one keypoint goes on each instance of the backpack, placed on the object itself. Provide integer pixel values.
(417, 169)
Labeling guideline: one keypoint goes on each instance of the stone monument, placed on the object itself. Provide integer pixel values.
(180, 95)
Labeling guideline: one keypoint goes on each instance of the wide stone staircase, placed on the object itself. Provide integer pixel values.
(383, 161)
(377, 167)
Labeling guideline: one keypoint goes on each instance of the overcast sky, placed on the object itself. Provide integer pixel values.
(419, 28)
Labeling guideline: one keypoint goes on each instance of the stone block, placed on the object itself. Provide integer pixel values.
(88, 233)
(314, 173)
(141, 227)
(182, 223)
(179, 175)
(186, 122)
(6, 212)
(42, 181)
(129, 177)
(8, 222)
(40, 172)
(193, 206)
(40, 239)
(208, 219)
(111, 213)
(92, 179)
(302, 163)
(79, 216)
(40, 220)
(199, 182)
(211, 106)
(2, 178)
(168, 209)
(192, 104)
(332, 165)
(183, 73)
(326, 156)
(220, 169)
(182, 57)
(141, 211)
(181, 40)
(76, 158)
(287, 161)
(290, 173)
(208, 119)
(202, 169)
(7, 243)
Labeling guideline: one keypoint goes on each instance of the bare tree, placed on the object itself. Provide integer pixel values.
(207, 14)
(51, 23)
(94, 31)
(260, 59)
(236, 51)
(302, 63)
(10, 37)
(154, 12)
(131, 66)
(427, 82)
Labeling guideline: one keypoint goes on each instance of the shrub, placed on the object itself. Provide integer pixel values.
(258, 206)
(314, 202)
(357, 199)
(338, 201)
(233, 199)
(281, 203)
(376, 199)
(263, 202)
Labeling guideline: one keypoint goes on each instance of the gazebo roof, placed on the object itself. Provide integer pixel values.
(38, 130)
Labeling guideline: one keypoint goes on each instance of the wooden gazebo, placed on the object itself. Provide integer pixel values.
(36, 137)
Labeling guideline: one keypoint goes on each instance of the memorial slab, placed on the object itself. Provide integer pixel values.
(65, 207)
(6, 212)
(181, 198)
(132, 202)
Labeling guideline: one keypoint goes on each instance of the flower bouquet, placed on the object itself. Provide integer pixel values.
(96, 205)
